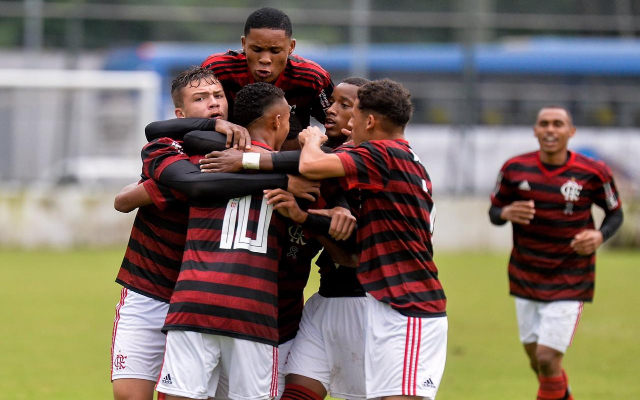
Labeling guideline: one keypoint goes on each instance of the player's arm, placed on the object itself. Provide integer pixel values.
(589, 240)
(518, 212)
(315, 163)
(236, 135)
(232, 160)
(340, 254)
(321, 103)
(131, 197)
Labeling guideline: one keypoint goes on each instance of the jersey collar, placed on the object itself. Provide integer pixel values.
(556, 171)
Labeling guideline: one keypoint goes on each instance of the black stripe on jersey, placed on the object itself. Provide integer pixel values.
(205, 223)
(555, 287)
(144, 273)
(542, 237)
(557, 271)
(226, 290)
(556, 223)
(300, 91)
(417, 297)
(233, 334)
(231, 268)
(580, 176)
(392, 215)
(543, 205)
(523, 168)
(153, 256)
(541, 187)
(223, 312)
(300, 73)
(143, 226)
(420, 275)
(390, 237)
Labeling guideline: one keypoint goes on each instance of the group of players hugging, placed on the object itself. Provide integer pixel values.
(213, 276)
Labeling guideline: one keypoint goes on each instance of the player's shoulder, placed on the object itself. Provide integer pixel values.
(163, 144)
(299, 64)
(589, 164)
(530, 158)
(227, 59)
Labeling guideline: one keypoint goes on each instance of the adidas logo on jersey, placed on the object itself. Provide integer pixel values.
(167, 380)
(524, 185)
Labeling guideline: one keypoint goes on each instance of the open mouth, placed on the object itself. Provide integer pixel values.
(263, 73)
(215, 115)
(329, 123)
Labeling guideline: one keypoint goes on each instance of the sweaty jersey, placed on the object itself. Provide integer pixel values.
(543, 266)
(395, 227)
(154, 252)
(306, 85)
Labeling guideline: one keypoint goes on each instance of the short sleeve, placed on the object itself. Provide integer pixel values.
(502, 193)
(162, 196)
(366, 167)
(606, 195)
(159, 154)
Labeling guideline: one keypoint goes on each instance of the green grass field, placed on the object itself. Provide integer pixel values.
(58, 307)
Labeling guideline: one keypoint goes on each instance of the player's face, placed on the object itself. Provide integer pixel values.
(267, 51)
(341, 110)
(359, 125)
(282, 114)
(203, 100)
(553, 129)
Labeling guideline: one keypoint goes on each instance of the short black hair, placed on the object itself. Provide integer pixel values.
(269, 18)
(189, 77)
(253, 100)
(355, 81)
(560, 108)
(387, 98)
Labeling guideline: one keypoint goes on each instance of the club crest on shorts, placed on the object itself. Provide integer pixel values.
(119, 362)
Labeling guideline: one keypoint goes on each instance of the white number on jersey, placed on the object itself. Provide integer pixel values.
(236, 220)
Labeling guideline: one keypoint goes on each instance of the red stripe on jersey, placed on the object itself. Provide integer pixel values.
(237, 280)
(259, 307)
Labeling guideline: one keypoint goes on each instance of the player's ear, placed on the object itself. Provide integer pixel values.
(371, 122)
(292, 46)
(243, 40)
(179, 113)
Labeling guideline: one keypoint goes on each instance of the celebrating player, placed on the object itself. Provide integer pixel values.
(547, 195)
(406, 324)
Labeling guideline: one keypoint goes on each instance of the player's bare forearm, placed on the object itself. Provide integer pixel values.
(315, 163)
(131, 197)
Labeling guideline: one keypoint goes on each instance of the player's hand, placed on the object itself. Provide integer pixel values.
(237, 136)
(304, 188)
(229, 160)
(312, 133)
(587, 242)
(519, 212)
(285, 203)
(343, 223)
(349, 129)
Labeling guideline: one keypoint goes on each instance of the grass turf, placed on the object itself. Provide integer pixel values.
(57, 312)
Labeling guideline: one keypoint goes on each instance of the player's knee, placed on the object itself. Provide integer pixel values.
(129, 389)
(548, 362)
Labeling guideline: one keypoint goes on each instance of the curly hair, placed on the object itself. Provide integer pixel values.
(253, 100)
(387, 98)
(191, 77)
(269, 18)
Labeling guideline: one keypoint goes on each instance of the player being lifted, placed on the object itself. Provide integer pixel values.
(406, 324)
(547, 196)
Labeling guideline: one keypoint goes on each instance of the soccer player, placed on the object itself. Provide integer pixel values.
(222, 318)
(547, 195)
(267, 56)
(153, 257)
(406, 324)
(154, 253)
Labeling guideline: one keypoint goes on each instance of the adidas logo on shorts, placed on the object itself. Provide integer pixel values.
(428, 384)
(167, 380)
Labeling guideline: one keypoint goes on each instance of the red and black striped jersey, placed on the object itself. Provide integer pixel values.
(306, 85)
(298, 252)
(156, 245)
(543, 266)
(228, 283)
(395, 227)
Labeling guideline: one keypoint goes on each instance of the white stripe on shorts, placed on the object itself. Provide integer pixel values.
(123, 295)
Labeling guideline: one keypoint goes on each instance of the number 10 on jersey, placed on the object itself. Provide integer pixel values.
(236, 221)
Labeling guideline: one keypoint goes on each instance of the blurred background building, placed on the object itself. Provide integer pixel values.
(79, 80)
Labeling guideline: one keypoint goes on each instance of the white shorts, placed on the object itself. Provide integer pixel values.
(403, 355)
(283, 353)
(329, 346)
(548, 324)
(137, 342)
(194, 363)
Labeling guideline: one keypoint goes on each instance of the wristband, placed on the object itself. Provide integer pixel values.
(251, 160)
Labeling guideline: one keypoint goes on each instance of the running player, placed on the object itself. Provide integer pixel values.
(406, 324)
(547, 195)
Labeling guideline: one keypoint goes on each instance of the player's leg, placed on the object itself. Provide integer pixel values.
(306, 368)
(190, 368)
(558, 324)
(252, 369)
(137, 346)
(404, 356)
(528, 327)
(531, 350)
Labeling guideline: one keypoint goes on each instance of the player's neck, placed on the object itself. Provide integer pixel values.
(558, 158)
(262, 136)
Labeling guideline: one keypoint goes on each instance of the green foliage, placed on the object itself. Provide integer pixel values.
(58, 308)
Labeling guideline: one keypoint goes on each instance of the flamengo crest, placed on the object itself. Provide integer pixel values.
(571, 190)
